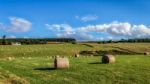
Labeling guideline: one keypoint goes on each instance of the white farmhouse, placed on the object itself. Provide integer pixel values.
(15, 43)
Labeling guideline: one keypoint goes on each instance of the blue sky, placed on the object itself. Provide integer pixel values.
(80, 19)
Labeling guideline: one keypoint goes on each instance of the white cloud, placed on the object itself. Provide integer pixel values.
(118, 29)
(56, 27)
(25, 37)
(140, 31)
(77, 36)
(61, 28)
(113, 30)
(100, 39)
(17, 25)
(11, 36)
(66, 31)
(87, 18)
(93, 28)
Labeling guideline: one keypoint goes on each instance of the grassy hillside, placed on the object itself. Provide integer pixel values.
(34, 64)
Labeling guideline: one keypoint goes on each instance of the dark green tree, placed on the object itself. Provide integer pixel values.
(4, 40)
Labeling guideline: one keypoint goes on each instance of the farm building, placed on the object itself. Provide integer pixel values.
(15, 43)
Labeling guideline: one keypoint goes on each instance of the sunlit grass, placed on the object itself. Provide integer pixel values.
(83, 70)
(34, 63)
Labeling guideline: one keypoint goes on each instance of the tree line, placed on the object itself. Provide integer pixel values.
(135, 40)
(27, 41)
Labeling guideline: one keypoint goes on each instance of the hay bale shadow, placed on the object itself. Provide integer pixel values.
(87, 52)
(95, 63)
(88, 45)
(44, 68)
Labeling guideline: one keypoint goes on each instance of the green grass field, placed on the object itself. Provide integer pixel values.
(33, 64)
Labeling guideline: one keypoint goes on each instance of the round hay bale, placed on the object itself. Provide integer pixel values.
(91, 55)
(10, 58)
(57, 56)
(146, 53)
(29, 57)
(77, 55)
(108, 59)
(23, 57)
(61, 63)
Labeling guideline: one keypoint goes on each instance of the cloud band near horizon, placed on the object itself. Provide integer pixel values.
(114, 30)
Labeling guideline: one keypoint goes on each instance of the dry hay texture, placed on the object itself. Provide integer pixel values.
(7, 78)
(9, 58)
(61, 63)
(108, 59)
